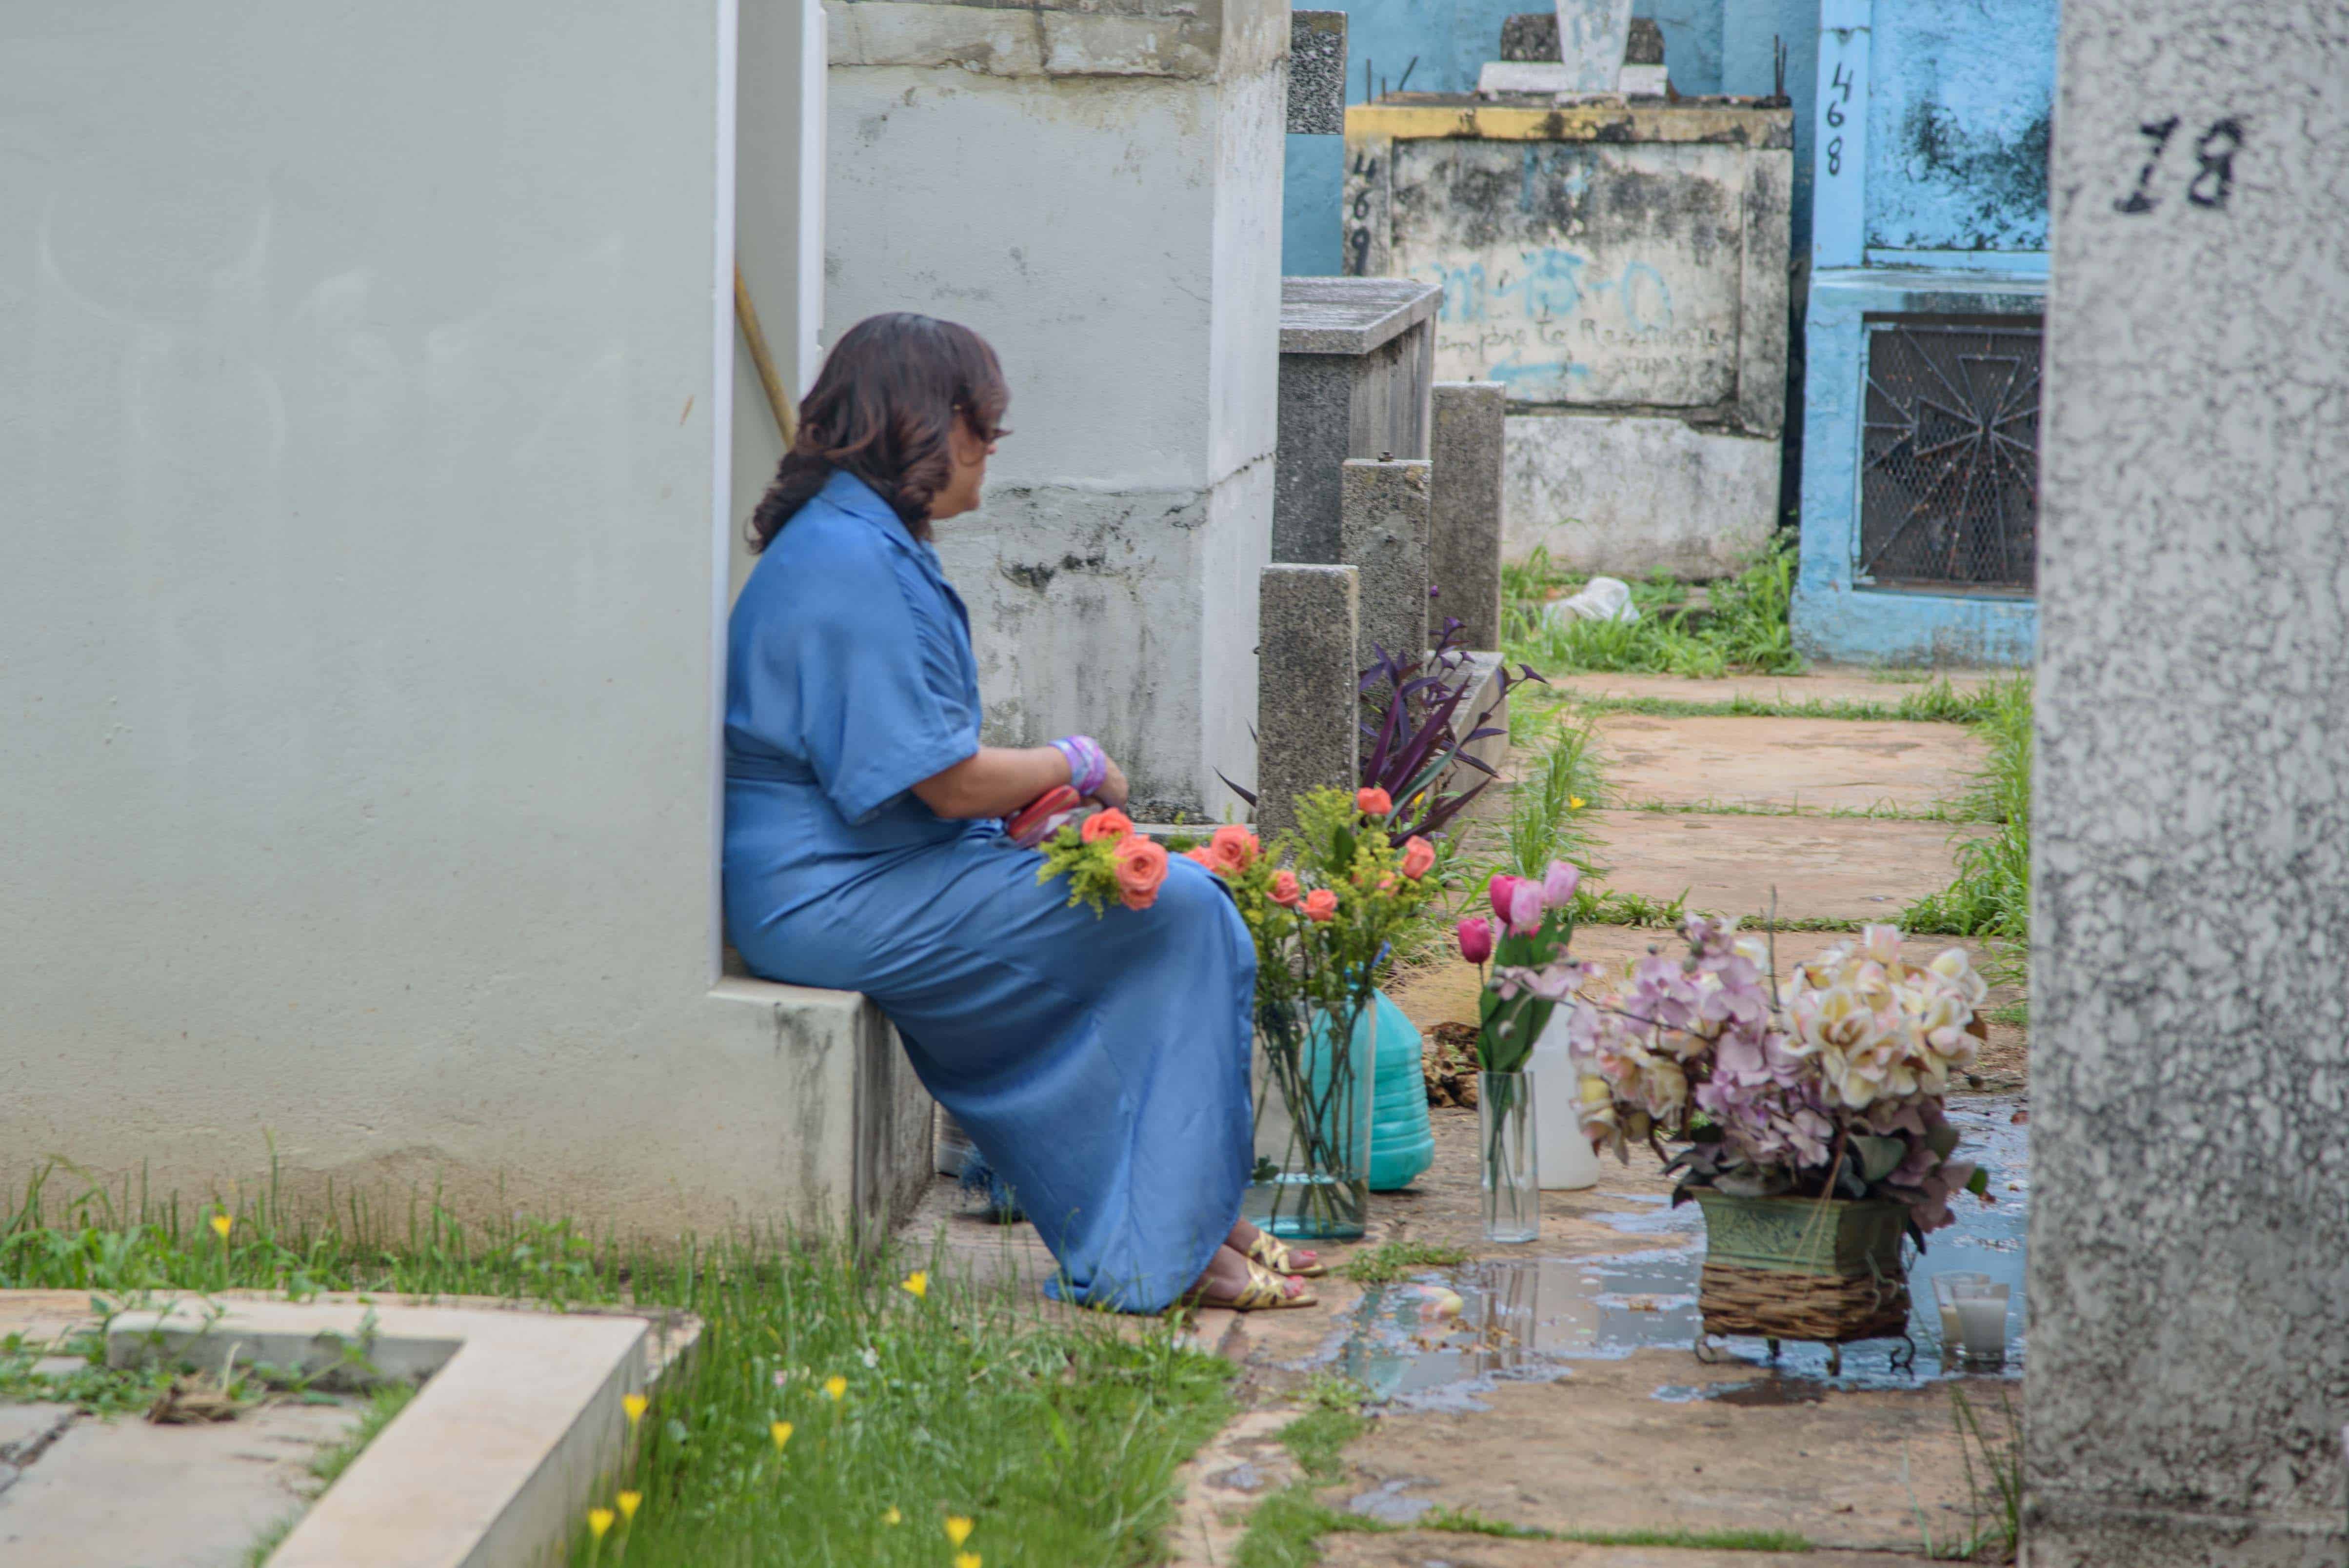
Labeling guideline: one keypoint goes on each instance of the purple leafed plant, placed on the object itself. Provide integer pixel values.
(1408, 747)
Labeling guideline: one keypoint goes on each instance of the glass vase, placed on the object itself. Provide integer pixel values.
(1512, 1179)
(1313, 1084)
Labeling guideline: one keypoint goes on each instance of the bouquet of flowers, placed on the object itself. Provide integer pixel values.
(1530, 928)
(1104, 859)
(1828, 1084)
(1323, 906)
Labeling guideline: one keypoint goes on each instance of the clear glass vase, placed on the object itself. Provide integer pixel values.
(1512, 1179)
(1313, 1083)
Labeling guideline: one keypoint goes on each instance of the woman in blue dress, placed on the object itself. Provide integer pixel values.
(1100, 1063)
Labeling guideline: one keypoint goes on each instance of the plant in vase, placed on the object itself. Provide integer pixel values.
(1323, 905)
(1806, 1116)
(1528, 934)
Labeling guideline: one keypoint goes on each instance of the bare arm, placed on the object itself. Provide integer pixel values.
(996, 781)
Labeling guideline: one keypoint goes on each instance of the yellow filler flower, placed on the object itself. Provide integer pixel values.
(629, 1502)
(599, 1519)
(893, 1517)
(918, 1282)
(782, 1433)
(634, 1403)
(837, 1386)
(222, 1224)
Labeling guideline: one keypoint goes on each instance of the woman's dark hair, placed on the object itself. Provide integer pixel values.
(889, 392)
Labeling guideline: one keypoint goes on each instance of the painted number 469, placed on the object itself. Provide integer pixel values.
(2214, 158)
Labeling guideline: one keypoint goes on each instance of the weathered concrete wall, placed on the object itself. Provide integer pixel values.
(363, 435)
(1958, 94)
(1622, 267)
(2189, 1239)
(1098, 193)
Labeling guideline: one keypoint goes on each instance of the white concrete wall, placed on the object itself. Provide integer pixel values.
(1099, 195)
(1621, 494)
(363, 415)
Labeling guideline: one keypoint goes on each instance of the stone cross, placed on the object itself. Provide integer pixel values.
(1307, 707)
(1383, 529)
(1464, 509)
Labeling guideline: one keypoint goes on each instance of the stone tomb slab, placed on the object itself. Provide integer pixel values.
(1781, 764)
(1836, 868)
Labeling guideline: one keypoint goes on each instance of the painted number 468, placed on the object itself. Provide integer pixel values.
(2214, 158)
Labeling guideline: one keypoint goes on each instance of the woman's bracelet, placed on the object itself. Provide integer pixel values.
(1088, 764)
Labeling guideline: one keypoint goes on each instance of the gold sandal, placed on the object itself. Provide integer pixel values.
(1276, 1257)
(1265, 1291)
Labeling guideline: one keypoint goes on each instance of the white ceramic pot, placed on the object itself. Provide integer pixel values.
(1565, 1159)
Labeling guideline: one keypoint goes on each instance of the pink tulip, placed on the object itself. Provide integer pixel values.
(1558, 886)
(1525, 909)
(1476, 940)
(1503, 885)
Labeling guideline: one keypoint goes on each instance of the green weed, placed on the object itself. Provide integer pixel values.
(1467, 1521)
(1546, 805)
(1392, 1260)
(1744, 627)
(1991, 894)
(1937, 701)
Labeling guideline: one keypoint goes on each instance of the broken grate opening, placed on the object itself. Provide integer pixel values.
(1948, 484)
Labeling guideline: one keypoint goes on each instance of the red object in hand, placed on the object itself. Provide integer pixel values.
(1042, 817)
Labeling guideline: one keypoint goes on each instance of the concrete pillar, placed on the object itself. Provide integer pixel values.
(1098, 193)
(1307, 704)
(1464, 507)
(1357, 358)
(2190, 1227)
(1383, 529)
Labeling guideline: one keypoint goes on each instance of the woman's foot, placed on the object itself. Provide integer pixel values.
(1233, 1280)
(1279, 1257)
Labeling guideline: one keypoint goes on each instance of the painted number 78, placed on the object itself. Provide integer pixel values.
(2214, 158)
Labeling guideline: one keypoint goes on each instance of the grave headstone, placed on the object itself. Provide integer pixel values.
(2189, 1292)
(1463, 550)
(1383, 532)
(1308, 734)
(1357, 358)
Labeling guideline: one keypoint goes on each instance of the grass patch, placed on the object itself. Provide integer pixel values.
(1937, 702)
(1882, 811)
(1058, 1433)
(1606, 906)
(1545, 808)
(1392, 1260)
(1991, 894)
(1744, 627)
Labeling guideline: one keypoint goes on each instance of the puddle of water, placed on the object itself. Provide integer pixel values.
(1441, 1339)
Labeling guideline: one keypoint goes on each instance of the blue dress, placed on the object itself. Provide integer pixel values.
(1100, 1064)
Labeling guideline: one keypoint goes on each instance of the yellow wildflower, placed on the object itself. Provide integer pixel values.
(599, 1519)
(837, 1386)
(1574, 802)
(634, 1403)
(966, 1560)
(957, 1529)
(893, 1517)
(221, 1225)
(918, 1281)
(629, 1502)
(782, 1433)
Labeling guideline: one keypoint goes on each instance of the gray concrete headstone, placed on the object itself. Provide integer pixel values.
(1317, 73)
(2189, 1223)
(1382, 530)
(1357, 361)
(1308, 730)
(1464, 547)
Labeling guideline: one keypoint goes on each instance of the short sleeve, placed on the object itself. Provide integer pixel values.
(876, 695)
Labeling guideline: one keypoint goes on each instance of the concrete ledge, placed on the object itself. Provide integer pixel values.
(1350, 316)
(516, 1433)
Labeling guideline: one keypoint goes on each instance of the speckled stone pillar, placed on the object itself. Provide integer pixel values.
(1383, 516)
(1307, 728)
(1463, 545)
(2188, 1367)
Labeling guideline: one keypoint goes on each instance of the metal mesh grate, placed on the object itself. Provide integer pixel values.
(1949, 486)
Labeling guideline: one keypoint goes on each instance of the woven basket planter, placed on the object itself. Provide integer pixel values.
(1802, 1268)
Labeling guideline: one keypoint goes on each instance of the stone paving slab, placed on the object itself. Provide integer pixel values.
(1811, 764)
(1433, 1548)
(1824, 684)
(1841, 867)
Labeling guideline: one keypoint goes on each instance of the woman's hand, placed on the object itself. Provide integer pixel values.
(1113, 791)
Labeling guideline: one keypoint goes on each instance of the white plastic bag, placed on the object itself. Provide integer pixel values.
(1600, 599)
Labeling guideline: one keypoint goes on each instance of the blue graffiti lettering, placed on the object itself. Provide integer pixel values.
(1646, 298)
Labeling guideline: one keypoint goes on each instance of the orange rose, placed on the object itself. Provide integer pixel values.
(1285, 891)
(1232, 849)
(1200, 857)
(1141, 867)
(1320, 904)
(1373, 802)
(1418, 854)
(1108, 823)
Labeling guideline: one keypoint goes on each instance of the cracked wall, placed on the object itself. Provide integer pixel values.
(2190, 1231)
